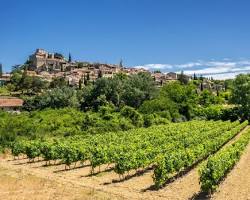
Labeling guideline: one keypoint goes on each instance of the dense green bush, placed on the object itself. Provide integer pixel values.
(54, 98)
(154, 119)
(67, 122)
(210, 112)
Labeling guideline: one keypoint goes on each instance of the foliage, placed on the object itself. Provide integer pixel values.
(214, 112)
(162, 107)
(218, 165)
(184, 97)
(206, 98)
(170, 148)
(1, 70)
(54, 98)
(27, 84)
(4, 91)
(199, 146)
(67, 122)
(135, 117)
(129, 90)
(154, 119)
(58, 82)
(183, 78)
(241, 94)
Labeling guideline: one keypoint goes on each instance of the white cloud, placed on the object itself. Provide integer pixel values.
(224, 76)
(189, 65)
(219, 69)
(155, 66)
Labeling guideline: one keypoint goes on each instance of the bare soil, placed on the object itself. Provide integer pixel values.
(23, 179)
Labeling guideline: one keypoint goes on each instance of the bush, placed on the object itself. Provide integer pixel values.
(211, 112)
(135, 117)
(154, 119)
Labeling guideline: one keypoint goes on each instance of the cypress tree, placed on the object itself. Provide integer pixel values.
(88, 77)
(80, 83)
(85, 82)
(120, 64)
(1, 70)
(100, 74)
(201, 86)
(70, 59)
(195, 77)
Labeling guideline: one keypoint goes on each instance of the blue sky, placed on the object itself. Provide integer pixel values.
(210, 37)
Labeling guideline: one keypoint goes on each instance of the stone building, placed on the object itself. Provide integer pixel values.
(161, 78)
(4, 79)
(42, 60)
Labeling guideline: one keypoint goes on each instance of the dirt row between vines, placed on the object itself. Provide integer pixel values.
(136, 187)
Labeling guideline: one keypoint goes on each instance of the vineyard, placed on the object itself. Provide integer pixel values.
(166, 149)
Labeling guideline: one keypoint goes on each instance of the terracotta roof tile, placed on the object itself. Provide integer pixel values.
(10, 102)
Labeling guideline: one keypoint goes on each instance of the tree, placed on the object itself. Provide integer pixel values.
(1, 70)
(241, 94)
(38, 84)
(134, 115)
(195, 77)
(25, 81)
(120, 64)
(206, 98)
(58, 82)
(201, 78)
(88, 77)
(85, 82)
(161, 106)
(100, 74)
(184, 96)
(183, 78)
(228, 84)
(54, 98)
(119, 90)
(58, 55)
(201, 86)
(138, 88)
(80, 83)
(70, 59)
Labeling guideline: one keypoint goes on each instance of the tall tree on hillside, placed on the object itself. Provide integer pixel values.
(26, 81)
(80, 83)
(1, 70)
(88, 77)
(100, 74)
(183, 78)
(195, 77)
(201, 77)
(85, 82)
(70, 59)
(201, 86)
(241, 91)
(121, 64)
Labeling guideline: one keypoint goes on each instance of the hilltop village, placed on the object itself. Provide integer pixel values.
(50, 65)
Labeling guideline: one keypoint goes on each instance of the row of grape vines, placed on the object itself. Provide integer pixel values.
(197, 149)
(168, 148)
(218, 165)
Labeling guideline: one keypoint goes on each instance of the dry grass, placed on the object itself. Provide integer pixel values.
(19, 185)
